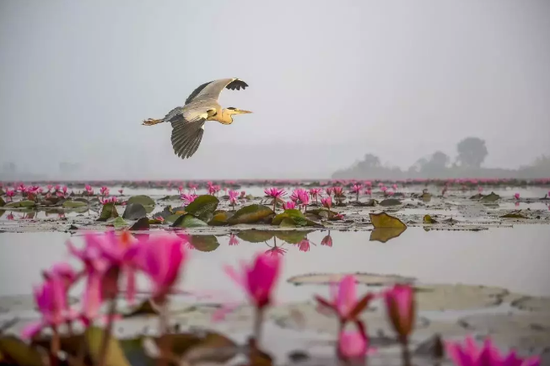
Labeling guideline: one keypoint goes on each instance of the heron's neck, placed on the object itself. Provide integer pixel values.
(224, 117)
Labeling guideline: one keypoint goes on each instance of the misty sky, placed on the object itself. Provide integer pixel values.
(329, 82)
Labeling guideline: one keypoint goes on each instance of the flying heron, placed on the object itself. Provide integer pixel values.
(201, 106)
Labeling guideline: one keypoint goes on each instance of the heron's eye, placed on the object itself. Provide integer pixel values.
(232, 108)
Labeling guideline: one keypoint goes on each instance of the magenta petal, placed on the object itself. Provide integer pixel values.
(31, 330)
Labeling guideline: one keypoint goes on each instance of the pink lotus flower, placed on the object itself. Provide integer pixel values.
(327, 202)
(356, 188)
(233, 196)
(121, 191)
(105, 201)
(487, 355)
(10, 216)
(394, 187)
(275, 193)
(50, 298)
(188, 198)
(161, 258)
(304, 245)
(258, 279)
(104, 191)
(10, 193)
(243, 194)
(516, 196)
(384, 189)
(344, 300)
(193, 186)
(233, 240)
(327, 240)
(276, 251)
(213, 189)
(338, 191)
(329, 191)
(352, 344)
(368, 192)
(401, 309)
(314, 193)
(289, 205)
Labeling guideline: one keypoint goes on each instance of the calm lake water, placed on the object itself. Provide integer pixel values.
(514, 258)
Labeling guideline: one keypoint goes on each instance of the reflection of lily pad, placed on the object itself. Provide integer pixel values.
(203, 207)
(514, 215)
(362, 278)
(383, 220)
(457, 297)
(291, 236)
(255, 236)
(384, 234)
(251, 214)
(204, 243)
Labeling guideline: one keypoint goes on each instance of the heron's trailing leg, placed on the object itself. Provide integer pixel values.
(151, 121)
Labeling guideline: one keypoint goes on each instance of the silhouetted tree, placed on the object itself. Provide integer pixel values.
(371, 161)
(471, 152)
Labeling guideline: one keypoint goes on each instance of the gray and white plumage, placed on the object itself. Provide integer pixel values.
(201, 106)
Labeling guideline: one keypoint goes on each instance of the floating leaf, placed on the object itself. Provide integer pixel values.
(251, 214)
(293, 217)
(108, 212)
(383, 220)
(172, 218)
(457, 297)
(363, 278)
(188, 221)
(115, 356)
(383, 234)
(119, 223)
(146, 307)
(141, 224)
(27, 203)
(288, 222)
(220, 218)
(204, 243)
(390, 202)
(427, 219)
(16, 350)
(255, 236)
(147, 202)
(514, 215)
(74, 204)
(426, 197)
(492, 197)
(2, 202)
(134, 211)
(203, 207)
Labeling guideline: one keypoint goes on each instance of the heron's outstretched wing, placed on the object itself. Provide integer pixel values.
(212, 89)
(186, 137)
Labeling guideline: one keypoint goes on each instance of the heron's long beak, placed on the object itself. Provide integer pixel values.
(242, 111)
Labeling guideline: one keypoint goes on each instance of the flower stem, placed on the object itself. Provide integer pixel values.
(406, 355)
(258, 322)
(82, 348)
(107, 333)
(164, 340)
(54, 346)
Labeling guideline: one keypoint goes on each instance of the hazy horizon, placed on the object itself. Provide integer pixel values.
(329, 82)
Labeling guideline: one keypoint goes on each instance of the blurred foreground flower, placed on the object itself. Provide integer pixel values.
(488, 355)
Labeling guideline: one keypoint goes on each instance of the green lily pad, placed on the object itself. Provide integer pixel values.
(390, 202)
(134, 211)
(172, 218)
(147, 202)
(189, 221)
(514, 215)
(108, 212)
(492, 197)
(141, 224)
(115, 354)
(203, 207)
(18, 351)
(255, 236)
(383, 220)
(292, 218)
(74, 204)
(119, 223)
(220, 218)
(204, 243)
(2, 202)
(251, 214)
(362, 278)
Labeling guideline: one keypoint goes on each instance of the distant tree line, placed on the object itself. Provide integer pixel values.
(471, 153)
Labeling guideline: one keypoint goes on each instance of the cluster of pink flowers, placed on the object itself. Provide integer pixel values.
(188, 198)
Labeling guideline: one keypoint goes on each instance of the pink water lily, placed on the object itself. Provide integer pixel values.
(304, 245)
(290, 205)
(516, 196)
(275, 192)
(470, 354)
(344, 301)
(233, 197)
(258, 279)
(233, 239)
(401, 309)
(327, 202)
(50, 297)
(188, 198)
(327, 240)
(161, 258)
